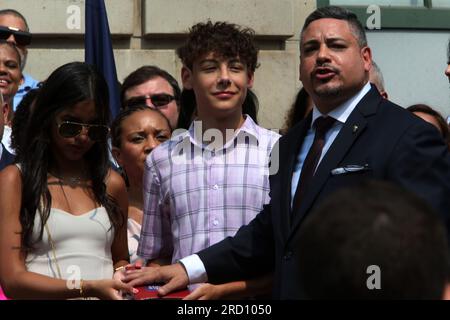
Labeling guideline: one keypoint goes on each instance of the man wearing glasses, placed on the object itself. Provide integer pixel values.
(14, 29)
(155, 88)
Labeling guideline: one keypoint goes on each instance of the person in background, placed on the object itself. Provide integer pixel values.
(298, 111)
(6, 158)
(63, 215)
(374, 240)
(14, 28)
(154, 87)
(135, 132)
(376, 77)
(447, 70)
(433, 117)
(10, 79)
(20, 122)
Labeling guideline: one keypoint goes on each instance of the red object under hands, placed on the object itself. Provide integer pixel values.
(151, 292)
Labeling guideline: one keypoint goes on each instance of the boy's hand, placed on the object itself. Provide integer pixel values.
(173, 276)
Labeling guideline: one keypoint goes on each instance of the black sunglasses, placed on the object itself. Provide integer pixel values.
(158, 100)
(95, 132)
(23, 38)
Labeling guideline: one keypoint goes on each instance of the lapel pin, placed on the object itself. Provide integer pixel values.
(355, 128)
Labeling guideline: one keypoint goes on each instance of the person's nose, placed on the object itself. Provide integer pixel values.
(151, 144)
(149, 103)
(447, 71)
(224, 77)
(11, 39)
(83, 136)
(323, 54)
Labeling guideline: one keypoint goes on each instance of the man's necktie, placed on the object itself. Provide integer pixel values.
(322, 125)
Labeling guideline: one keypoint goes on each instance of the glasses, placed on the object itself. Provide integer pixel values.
(158, 100)
(23, 38)
(95, 132)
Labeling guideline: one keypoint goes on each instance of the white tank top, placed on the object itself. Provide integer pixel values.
(82, 245)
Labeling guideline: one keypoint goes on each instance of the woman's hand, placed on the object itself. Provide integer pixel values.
(107, 289)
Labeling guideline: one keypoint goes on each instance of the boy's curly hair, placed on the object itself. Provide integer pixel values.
(227, 40)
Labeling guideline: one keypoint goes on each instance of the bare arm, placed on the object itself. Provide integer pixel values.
(16, 281)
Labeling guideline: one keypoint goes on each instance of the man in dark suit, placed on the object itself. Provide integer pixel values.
(6, 158)
(352, 134)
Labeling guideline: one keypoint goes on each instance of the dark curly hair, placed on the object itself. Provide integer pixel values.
(227, 40)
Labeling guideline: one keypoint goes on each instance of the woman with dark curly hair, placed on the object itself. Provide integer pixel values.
(63, 212)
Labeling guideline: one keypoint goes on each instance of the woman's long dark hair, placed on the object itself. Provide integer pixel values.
(69, 84)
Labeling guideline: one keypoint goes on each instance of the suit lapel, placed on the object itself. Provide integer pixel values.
(292, 147)
(351, 130)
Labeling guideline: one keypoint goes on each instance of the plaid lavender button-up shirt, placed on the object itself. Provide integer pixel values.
(195, 195)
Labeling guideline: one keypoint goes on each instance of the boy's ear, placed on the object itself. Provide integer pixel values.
(251, 78)
(186, 77)
(117, 155)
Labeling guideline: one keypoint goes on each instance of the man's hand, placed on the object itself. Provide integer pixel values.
(206, 291)
(173, 276)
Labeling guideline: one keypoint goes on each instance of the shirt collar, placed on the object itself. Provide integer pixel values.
(248, 127)
(1, 150)
(342, 112)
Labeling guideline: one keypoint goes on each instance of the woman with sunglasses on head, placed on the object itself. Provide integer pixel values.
(155, 88)
(63, 214)
(136, 131)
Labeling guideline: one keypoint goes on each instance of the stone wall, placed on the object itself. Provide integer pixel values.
(148, 31)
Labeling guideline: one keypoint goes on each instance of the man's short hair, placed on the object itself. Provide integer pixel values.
(375, 223)
(146, 73)
(334, 12)
(17, 14)
(227, 40)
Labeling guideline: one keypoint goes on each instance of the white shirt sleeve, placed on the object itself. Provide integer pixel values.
(195, 269)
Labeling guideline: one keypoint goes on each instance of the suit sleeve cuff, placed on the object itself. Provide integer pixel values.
(195, 269)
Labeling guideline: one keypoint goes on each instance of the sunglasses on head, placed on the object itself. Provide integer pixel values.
(95, 132)
(157, 100)
(23, 38)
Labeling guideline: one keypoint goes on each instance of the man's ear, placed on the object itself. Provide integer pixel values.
(117, 155)
(366, 54)
(186, 77)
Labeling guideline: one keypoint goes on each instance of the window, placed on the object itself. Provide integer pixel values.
(401, 14)
(441, 4)
(393, 3)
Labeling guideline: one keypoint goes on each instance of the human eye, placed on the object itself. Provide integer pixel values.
(309, 48)
(338, 45)
(162, 137)
(236, 66)
(209, 68)
(136, 139)
(12, 64)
